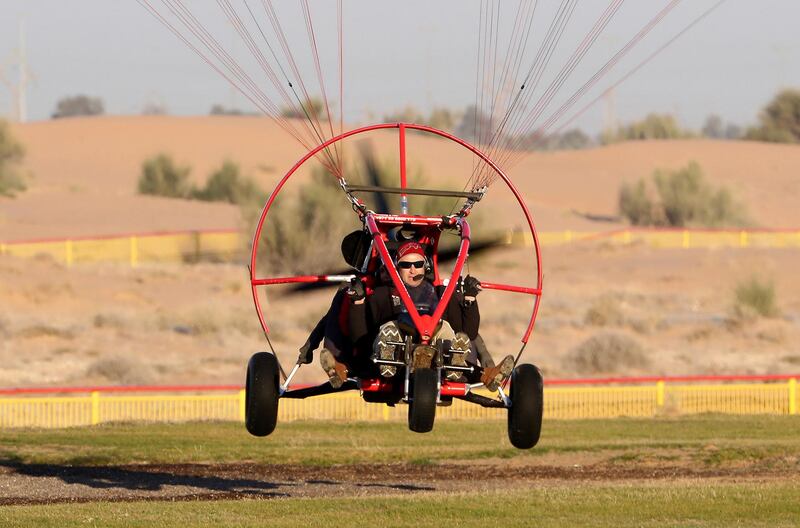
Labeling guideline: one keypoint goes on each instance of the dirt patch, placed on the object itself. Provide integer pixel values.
(45, 484)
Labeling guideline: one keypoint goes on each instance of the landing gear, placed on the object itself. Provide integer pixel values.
(261, 394)
(422, 405)
(527, 404)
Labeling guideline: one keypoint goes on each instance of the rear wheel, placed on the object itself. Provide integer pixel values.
(261, 394)
(422, 407)
(527, 404)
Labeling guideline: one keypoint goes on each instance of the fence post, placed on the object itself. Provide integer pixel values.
(95, 407)
(385, 413)
(68, 257)
(793, 396)
(685, 239)
(134, 251)
(660, 394)
(242, 404)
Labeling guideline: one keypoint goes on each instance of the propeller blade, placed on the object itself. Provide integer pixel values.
(445, 255)
(373, 175)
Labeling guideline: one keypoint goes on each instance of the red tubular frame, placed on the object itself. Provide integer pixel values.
(425, 324)
(402, 127)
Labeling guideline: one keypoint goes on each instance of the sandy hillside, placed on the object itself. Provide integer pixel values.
(85, 172)
(105, 323)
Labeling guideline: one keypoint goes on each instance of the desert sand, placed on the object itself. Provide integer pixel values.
(105, 323)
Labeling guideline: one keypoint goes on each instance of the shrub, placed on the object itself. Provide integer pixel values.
(636, 205)
(120, 369)
(654, 126)
(302, 233)
(12, 153)
(684, 198)
(297, 232)
(313, 107)
(780, 119)
(607, 353)
(604, 311)
(754, 296)
(227, 184)
(78, 105)
(162, 177)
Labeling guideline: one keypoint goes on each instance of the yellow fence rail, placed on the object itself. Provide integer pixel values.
(559, 403)
(228, 245)
(134, 249)
(669, 238)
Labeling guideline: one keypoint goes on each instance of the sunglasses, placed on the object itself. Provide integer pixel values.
(408, 265)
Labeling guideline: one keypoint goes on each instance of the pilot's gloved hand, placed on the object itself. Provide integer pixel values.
(472, 286)
(306, 354)
(356, 291)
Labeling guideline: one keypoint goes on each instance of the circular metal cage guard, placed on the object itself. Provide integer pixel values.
(255, 281)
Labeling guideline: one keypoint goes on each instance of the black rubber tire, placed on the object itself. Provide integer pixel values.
(261, 394)
(527, 404)
(422, 407)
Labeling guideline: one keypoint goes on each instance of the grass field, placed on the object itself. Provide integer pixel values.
(690, 504)
(695, 471)
(707, 439)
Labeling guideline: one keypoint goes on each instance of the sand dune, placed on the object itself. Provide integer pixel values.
(85, 172)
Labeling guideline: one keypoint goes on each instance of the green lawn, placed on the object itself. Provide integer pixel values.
(711, 440)
(696, 504)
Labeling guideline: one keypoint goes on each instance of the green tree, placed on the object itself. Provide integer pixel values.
(78, 105)
(12, 153)
(162, 177)
(780, 119)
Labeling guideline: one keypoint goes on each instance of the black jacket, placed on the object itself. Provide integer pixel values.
(380, 307)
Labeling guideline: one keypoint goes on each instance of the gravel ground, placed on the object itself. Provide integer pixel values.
(43, 484)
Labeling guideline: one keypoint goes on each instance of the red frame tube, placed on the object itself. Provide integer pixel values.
(425, 324)
(254, 281)
(292, 280)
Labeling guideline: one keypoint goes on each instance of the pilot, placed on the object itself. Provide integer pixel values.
(384, 310)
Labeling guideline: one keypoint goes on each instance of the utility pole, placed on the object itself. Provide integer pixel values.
(610, 124)
(19, 89)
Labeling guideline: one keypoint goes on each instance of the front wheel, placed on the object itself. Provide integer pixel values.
(527, 405)
(261, 394)
(422, 407)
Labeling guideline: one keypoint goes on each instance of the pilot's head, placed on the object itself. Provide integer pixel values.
(411, 262)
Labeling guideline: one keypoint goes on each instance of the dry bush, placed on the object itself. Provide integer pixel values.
(654, 126)
(45, 330)
(12, 153)
(607, 353)
(120, 369)
(680, 198)
(755, 297)
(161, 176)
(604, 311)
(227, 184)
(102, 320)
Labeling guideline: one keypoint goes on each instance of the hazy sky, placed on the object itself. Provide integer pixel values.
(419, 53)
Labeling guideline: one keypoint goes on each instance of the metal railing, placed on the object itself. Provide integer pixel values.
(563, 399)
